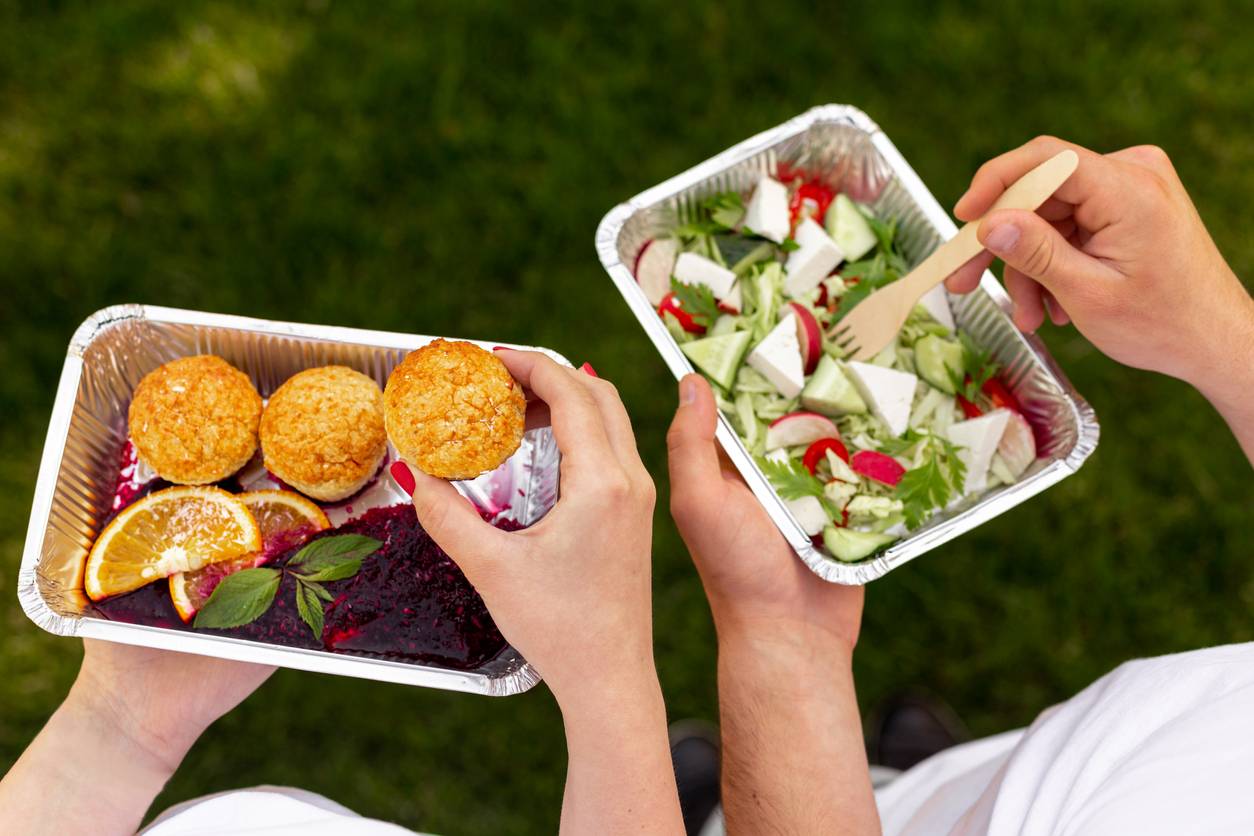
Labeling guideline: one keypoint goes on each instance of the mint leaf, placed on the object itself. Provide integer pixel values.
(333, 551)
(335, 572)
(322, 592)
(309, 605)
(239, 598)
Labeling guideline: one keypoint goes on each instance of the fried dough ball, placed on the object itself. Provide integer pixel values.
(194, 420)
(453, 410)
(322, 432)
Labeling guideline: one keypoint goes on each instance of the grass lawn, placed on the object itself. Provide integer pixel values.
(440, 167)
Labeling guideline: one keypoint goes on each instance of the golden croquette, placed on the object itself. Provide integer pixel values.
(194, 420)
(322, 432)
(453, 410)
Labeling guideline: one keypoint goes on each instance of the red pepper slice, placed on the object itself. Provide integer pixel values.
(817, 451)
(1000, 395)
(969, 409)
(670, 305)
(810, 198)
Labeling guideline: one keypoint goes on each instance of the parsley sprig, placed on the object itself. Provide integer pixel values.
(791, 480)
(697, 300)
(935, 481)
(717, 213)
(978, 367)
(243, 597)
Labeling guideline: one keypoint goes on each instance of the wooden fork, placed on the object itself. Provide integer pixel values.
(873, 323)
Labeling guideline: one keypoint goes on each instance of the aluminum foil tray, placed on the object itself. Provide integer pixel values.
(108, 355)
(845, 148)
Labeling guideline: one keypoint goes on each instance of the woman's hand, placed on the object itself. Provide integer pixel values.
(753, 579)
(1121, 251)
(573, 594)
(124, 728)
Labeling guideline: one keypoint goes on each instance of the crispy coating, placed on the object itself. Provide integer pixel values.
(453, 410)
(194, 420)
(322, 432)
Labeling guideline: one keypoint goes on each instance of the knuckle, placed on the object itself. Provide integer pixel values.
(1041, 257)
(616, 487)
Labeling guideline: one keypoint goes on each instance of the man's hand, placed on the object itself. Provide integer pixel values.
(752, 578)
(1121, 251)
(793, 756)
(573, 594)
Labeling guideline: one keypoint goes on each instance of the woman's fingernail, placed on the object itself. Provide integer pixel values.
(587, 369)
(403, 477)
(687, 391)
(1003, 238)
(501, 348)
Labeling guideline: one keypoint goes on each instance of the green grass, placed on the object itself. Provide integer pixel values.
(440, 167)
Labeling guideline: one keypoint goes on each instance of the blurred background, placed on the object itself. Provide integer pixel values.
(440, 168)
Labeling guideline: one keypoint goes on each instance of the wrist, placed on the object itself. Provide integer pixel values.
(787, 645)
(110, 719)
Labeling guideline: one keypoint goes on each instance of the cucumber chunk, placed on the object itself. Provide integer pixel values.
(939, 361)
(848, 545)
(849, 229)
(719, 357)
(829, 392)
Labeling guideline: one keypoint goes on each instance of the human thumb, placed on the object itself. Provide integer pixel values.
(1031, 245)
(691, 451)
(452, 521)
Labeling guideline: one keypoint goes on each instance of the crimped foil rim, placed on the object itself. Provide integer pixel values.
(933, 534)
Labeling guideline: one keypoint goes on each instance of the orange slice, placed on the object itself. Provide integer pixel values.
(283, 512)
(175, 530)
(283, 517)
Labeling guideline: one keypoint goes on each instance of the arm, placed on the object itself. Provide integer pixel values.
(573, 594)
(794, 760)
(1121, 251)
(124, 728)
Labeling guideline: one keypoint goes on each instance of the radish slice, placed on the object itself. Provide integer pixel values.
(809, 335)
(798, 428)
(654, 266)
(873, 465)
(1017, 445)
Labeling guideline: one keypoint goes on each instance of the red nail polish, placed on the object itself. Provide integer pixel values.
(586, 368)
(501, 348)
(403, 477)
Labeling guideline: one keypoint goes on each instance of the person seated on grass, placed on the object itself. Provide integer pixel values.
(1157, 746)
(572, 593)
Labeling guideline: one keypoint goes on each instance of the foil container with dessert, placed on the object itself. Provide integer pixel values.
(838, 151)
(398, 611)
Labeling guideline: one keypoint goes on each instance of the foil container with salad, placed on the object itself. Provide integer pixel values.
(352, 586)
(742, 267)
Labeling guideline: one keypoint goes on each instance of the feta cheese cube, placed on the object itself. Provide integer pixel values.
(778, 358)
(937, 304)
(808, 266)
(809, 512)
(978, 438)
(889, 393)
(691, 268)
(810, 232)
(767, 212)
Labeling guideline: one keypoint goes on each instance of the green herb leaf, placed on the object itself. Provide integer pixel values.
(239, 598)
(336, 572)
(789, 245)
(333, 551)
(933, 483)
(309, 605)
(725, 209)
(322, 592)
(697, 300)
(978, 367)
(790, 479)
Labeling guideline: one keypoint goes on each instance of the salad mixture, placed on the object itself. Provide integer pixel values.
(861, 453)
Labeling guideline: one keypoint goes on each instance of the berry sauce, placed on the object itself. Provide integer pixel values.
(408, 602)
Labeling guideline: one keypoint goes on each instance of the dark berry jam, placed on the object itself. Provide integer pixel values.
(409, 601)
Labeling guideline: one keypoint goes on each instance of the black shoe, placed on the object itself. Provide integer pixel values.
(909, 729)
(695, 756)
